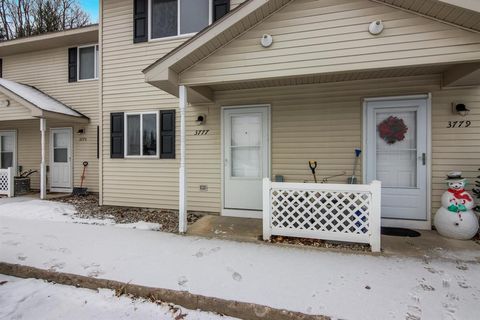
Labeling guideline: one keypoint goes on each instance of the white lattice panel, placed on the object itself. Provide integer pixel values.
(6, 184)
(344, 212)
(323, 211)
(4, 181)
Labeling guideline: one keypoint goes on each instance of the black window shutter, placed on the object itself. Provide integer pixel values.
(167, 134)
(140, 21)
(220, 8)
(72, 64)
(1, 68)
(116, 135)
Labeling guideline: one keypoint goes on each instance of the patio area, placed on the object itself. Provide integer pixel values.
(429, 245)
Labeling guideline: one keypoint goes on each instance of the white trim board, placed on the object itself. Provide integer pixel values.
(239, 212)
(417, 224)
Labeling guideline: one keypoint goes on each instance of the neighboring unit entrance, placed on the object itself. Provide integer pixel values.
(8, 152)
(61, 160)
(246, 157)
(396, 154)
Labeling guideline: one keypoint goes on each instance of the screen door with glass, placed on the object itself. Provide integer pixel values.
(246, 157)
(396, 151)
(61, 159)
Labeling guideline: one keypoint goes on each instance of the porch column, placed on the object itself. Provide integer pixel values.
(43, 166)
(182, 214)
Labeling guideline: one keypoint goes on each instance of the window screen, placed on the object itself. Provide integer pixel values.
(194, 15)
(164, 16)
(87, 63)
(149, 122)
(133, 135)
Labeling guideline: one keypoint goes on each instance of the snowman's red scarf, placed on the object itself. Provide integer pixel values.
(458, 194)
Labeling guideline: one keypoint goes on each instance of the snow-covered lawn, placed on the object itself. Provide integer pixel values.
(346, 286)
(34, 209)
(30, 299)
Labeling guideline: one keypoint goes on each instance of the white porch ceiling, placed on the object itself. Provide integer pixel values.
(335, 77)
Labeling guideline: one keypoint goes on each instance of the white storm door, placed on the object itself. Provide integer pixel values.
(61, 159)
(246, 153)
(398, 162)
(8, 152)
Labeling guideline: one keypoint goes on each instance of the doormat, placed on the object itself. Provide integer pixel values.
(400, 232)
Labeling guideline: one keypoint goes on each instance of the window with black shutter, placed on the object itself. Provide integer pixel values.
(117, 135)
(167, 134)
(72, 64)
(220, 8)
(140, 21)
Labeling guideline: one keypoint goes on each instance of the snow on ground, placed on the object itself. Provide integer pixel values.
(346, 286)
(31, 299)
(35, 209)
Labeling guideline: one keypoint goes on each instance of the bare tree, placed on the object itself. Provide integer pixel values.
(22, 18)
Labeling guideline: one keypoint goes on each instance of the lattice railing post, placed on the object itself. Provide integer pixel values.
(375, 216)
(267, 209)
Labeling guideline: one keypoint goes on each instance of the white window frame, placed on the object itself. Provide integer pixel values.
(95, 62)
(125, 134)
(179, 35)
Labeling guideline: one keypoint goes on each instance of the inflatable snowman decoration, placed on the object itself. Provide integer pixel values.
(456, 219)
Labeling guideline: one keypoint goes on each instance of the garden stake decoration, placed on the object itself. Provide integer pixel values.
(392, 129)
(313, 165)
(455, 218)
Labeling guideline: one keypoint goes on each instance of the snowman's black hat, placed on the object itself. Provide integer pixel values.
(454, 176)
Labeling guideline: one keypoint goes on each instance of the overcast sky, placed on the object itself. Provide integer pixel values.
(91, 6)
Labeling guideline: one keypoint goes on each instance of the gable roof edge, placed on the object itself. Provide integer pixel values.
(209, 33)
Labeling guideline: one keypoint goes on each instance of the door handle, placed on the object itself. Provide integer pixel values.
(423, 157)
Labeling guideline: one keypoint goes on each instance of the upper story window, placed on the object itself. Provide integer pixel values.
(170, 18)
(160, 19)
(87, 62)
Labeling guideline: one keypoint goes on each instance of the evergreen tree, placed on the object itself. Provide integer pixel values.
(476, 191)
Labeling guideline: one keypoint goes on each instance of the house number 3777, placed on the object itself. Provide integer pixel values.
(459, 124)
(201, 132)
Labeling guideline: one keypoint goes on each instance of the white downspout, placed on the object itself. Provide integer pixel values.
(182, 214)
(43, 166)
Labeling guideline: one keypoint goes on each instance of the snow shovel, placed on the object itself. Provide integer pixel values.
(352, 179)
(313, 165)
(81, 191)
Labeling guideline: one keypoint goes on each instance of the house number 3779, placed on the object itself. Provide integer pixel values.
(459, 124)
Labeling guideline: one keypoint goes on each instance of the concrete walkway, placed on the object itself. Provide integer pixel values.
(311, 281)
(430, 244)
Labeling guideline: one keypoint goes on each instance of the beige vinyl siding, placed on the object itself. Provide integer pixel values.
(151, 182)
(47, 70)
(324, 122)
(14, 111)
(235, 3)
(332, 36)
(317, 121)
(29, 152)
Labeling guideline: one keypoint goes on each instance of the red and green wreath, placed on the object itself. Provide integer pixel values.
(392, 129)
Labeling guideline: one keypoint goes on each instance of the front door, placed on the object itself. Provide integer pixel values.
(8, 152)
(61, 160)
(246, 152)
(396, 154)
